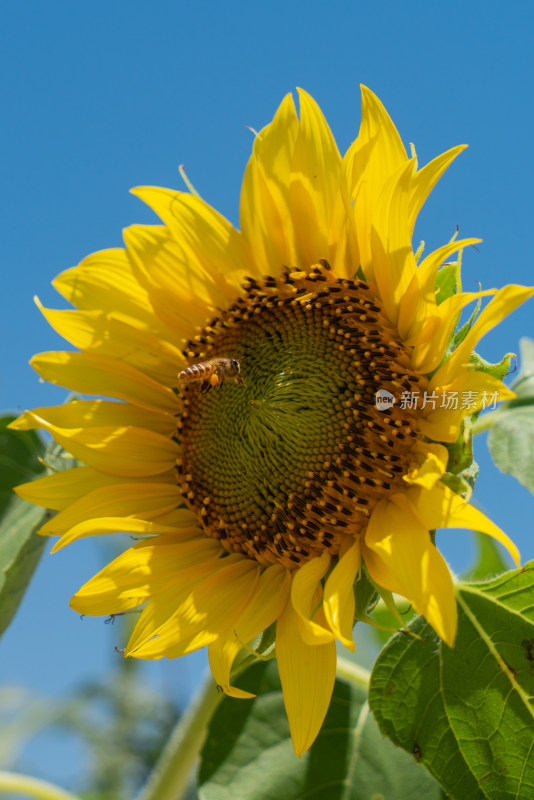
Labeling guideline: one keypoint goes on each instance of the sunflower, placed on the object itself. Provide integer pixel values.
(262, 482)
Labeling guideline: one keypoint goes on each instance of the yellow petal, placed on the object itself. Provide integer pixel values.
(315, 169)
(393, 260)
(420, 299)
(172, 279)
(206, 238)
(210, 609)
(126, 499)
(371, 159)
(59, 490)
(169, 596)
(103, 525)
(470, 392)
(96, 414)
(264, 211)
(99, 332)
(145, 570)
(339, 602)
(97, 374)
(442, 508)
(505, 301)
(105, 281)
(400, 556)
(430, 464)
(266, 605)
(342, 239)
(307, 673)
(130, 452)
(426, 178)
(305, 598)
(428, 353)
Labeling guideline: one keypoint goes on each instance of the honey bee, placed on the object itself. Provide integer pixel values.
(212, 373)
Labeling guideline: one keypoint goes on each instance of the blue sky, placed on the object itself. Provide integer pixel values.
(101, 96)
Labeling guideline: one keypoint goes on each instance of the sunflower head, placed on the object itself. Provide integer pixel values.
(286, 407)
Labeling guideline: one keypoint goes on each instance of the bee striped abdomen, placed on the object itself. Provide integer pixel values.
(197, 372)
(212, 373)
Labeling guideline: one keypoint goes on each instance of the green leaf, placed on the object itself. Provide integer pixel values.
(462, 332)
(467, 713)
(248, 751)
(20, 546)
(511, 443)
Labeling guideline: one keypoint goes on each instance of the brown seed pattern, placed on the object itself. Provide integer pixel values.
(295, 462)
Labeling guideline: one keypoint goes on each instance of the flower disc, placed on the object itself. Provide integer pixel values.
(295, 459)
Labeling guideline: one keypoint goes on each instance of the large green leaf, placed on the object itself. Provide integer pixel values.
(248, 753)
(20, 546)
(467, 713)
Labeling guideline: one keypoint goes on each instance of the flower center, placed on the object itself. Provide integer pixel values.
(294, 460)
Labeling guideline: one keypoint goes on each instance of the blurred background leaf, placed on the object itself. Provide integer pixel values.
(511, 438)
(118, 726)
(490, 559)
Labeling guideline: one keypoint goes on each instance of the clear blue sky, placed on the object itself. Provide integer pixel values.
(99, 96)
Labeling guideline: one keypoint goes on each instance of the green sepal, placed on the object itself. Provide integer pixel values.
(57, 459)
(267, 639)
(448, 281)
(462, 469)
(264, 651)
(499, 370)
(365, 595)
(462, 332)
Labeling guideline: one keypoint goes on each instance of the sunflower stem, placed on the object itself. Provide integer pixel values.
(353, 673)
(170, 777)
(32, 787)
